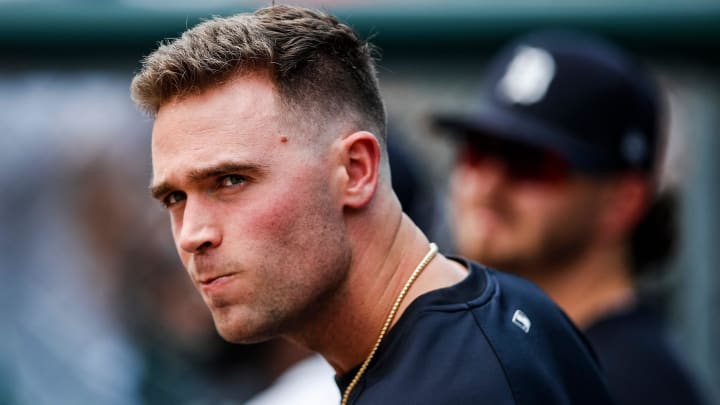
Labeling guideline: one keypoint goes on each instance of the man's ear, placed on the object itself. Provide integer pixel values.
(361, 162)
(628, 201)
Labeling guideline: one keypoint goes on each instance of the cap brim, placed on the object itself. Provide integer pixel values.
(501, 124)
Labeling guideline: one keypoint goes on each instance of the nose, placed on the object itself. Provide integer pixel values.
(199, 231)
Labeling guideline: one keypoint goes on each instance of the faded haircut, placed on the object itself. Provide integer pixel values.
(320, 67)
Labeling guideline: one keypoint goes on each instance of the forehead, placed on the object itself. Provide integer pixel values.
(241, 106)
(237, 120)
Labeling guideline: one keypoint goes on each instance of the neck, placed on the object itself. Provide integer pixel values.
(382, 263)
(597, 283)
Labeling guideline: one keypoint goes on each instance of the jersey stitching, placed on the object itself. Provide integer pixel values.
(490, 342)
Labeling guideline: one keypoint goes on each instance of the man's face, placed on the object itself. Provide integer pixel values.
(252, 208)
(520, 209)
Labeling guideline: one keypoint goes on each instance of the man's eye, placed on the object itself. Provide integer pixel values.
(231, 180)
(173, 198)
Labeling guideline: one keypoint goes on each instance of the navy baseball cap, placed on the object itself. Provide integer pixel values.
(571, 93)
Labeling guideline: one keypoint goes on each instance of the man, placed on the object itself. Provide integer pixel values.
(269, 153)
(556, 182)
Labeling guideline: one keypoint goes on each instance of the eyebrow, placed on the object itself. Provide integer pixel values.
(198, 175)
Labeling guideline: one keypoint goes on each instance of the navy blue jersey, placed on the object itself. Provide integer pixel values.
(638, 360)
(491, 339)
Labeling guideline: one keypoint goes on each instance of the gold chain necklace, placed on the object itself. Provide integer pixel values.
(420, 267)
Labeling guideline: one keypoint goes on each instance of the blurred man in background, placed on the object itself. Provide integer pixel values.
(556, 182)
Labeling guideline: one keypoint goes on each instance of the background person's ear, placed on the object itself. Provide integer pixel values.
(629, 199)
(361, 160)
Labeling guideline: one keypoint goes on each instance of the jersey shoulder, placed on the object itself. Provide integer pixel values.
(544, 357)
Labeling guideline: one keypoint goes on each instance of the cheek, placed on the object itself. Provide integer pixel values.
(464, 203)
(539, 210)
(287, 217)
(460, 186)
(271, 215)
(533, 208)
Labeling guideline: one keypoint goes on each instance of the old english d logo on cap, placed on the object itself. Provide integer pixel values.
(527, 77)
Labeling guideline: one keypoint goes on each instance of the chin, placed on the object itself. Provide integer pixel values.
(241, 332)
(242, 339)
(233, 335)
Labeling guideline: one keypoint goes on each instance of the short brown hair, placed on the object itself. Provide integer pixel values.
(320, 66)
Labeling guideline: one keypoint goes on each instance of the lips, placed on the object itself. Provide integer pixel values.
(210, 278)
(215, 284)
